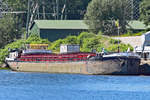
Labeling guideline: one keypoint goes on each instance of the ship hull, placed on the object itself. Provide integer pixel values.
(105, 66)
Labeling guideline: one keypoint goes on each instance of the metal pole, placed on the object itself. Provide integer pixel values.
(1, 8)
(44, 10)
(57, 9)
(38, 13)
(66, 10)
(132, 8)
(27, 23)
(118, 36)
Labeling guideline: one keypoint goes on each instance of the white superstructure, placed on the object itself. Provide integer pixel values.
(69, 48)
(12, 56)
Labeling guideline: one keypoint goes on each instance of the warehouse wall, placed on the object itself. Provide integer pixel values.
(55, 34)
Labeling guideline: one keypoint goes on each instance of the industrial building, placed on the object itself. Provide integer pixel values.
(56, 29)
(59, 29)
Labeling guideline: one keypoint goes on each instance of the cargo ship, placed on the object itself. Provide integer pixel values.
(71, 60)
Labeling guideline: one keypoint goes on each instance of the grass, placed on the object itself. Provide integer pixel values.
(133, 34)
(6, 68)
(130, 34)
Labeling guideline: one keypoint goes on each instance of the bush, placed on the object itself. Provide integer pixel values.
(89, 44)
(133, 34)
(122, 48)
(113, 41)
(56, 45)
(4, 52)
(84, 35)
(33, 39)
(87, 41)
(70, 40)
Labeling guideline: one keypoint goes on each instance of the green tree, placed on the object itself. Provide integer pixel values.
(35, 39)
(89, 44)
(83, 36)
(70, 40)
(76, 8)
(102, 14)
(145, 11)
(56, 44)
(8, 32)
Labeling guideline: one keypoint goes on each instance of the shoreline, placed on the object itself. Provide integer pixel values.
(1, 68)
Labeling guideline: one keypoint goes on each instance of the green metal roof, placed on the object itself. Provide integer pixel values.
(61, 24)
(79, 24)
(137, 25)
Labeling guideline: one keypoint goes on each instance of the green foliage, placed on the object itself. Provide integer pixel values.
(133, 34)
(70, 40)
(113, 41)
(8, 32)
(101, 14)
(145, 11)
(33, 39)
(4, 52)
(88, 41)
(56, 44)
(17, 5)
(75, 8)
(89, 44)
(84, 35)
(122, 48)
(12, 26)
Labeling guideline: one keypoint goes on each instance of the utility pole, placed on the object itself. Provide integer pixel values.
(38, 13)
(0, 9)
(44, 17)
(57, 9)
(118, 27)
(66, 10)
(27, 23)
(63, 12)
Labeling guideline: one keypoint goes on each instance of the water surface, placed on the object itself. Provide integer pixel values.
(45, 86)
